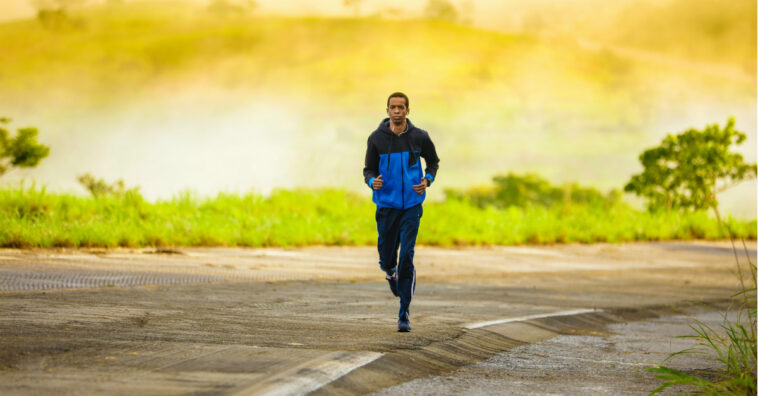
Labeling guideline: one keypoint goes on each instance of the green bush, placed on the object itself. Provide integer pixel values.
(532, 190)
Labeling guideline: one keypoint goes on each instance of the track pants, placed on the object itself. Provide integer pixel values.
(399, 227)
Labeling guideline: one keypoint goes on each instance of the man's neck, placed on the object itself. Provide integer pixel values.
(397, 129)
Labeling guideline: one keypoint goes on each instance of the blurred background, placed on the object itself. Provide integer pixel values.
(234, 96)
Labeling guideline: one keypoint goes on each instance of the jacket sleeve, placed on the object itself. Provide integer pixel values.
(430, 158)
(371, 164)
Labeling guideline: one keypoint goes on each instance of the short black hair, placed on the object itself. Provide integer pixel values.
(399, 95)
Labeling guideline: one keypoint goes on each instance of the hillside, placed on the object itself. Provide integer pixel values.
(140, 45)
(116, 51)
(713, 31)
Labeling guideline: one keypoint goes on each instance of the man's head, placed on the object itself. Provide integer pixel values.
(397, 107)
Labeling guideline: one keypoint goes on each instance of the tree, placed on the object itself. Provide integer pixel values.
(100, 188)
(442, 10)
(23, 151)
(689, 170)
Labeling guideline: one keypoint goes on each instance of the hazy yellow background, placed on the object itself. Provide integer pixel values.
(172, 97)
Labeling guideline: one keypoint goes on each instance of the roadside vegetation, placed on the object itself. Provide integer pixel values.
(733, 345)
(32, 217)
(515, 209)
(694, 166)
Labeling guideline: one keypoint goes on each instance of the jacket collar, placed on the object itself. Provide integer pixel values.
(384, 126)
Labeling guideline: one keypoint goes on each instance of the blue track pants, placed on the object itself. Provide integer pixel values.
(398, 228)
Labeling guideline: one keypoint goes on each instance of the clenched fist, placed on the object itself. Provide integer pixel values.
(377, 183)
(421, 187)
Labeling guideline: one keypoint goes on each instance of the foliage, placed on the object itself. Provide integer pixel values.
(531, 189)
(23, 151)
(688, 170)
(734, 345)
(99, 187)
(32, 217)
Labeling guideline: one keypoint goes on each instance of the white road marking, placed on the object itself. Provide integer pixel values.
(529, 317)
(312, 375)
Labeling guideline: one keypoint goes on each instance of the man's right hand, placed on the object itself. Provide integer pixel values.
(377, 183)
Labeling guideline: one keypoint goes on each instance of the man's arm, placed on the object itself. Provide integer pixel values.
(371, 164)
(430, 158)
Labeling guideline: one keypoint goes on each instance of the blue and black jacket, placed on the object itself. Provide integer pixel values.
(397, 159)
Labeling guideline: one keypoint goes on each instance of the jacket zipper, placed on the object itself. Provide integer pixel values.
(402, 172)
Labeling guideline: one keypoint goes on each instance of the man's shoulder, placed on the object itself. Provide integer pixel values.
(375, 134)
(421, 132)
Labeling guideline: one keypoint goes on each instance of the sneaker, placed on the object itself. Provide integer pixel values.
(403, 326)
(392, 280)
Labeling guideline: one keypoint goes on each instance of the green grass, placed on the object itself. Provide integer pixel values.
(31, 217)
(733, 345)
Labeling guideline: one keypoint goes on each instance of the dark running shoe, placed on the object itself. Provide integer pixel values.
(392, 280)
(403, 325)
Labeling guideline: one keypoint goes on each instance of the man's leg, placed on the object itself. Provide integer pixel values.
(388, 230)
(406, 272)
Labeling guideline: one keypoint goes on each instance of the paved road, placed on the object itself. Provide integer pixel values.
(614, 361)
(284, 321)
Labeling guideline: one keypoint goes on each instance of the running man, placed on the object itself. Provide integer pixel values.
(393, 171)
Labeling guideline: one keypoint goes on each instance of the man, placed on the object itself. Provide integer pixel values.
(393, 170)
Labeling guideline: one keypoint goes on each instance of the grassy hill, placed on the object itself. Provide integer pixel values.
(713, 31)
(137, 44)
(121, 48)
(122, 51)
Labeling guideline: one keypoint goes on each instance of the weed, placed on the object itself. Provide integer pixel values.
(734, 345)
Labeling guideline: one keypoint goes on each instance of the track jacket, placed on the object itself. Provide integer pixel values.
(396, 158)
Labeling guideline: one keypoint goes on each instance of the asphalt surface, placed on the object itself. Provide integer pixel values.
(614, 361)
(322, 320)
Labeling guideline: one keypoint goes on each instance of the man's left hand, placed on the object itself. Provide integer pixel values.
(421, 187)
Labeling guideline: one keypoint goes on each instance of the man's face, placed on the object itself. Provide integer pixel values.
(397, 110)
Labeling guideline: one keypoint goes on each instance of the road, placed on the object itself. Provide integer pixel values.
(321, 320)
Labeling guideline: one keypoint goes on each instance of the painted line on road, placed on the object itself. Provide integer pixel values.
(311, 375)
(529, 317)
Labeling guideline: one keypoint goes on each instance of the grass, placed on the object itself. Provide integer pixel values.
(32, 217)
(733, 345)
